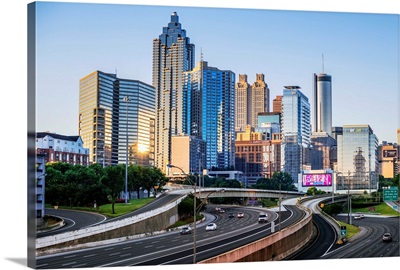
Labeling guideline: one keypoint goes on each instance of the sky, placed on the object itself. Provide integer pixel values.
(361, 63)
(359, 51)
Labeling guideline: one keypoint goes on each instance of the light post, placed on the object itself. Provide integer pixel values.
(348, 199)
(126, 99)
(194, 209)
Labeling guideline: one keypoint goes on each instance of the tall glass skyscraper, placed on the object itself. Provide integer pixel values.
(322, 103)
(211, 113)
(173, 54)
(250, 100)
(115, 115)
(357, 158)
(296, 131)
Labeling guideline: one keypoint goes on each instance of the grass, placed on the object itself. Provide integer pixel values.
(123, 208)
(350, 229)
(120, 208)
(381, 209)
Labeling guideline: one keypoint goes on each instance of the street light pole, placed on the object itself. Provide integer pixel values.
(194, 209)
(126, 99)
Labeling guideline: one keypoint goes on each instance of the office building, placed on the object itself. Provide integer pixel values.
(116, 119)
(296, 131)
(250, 100)
(388, 156)
(242, 97)
(211, 112)
(268, 117)
(40, 177)
(322, 150)
(188, 153)
(60, 148)
(322, 103)
(256, 156)
(277, 104)
(173, 54)
(357, 162)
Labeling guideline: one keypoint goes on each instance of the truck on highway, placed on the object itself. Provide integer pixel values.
(263, 218)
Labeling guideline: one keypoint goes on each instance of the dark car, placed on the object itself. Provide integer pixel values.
(186, 230)
(387, 237)
(231, 215)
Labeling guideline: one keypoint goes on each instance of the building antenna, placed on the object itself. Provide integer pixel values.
(322, 63)
(201, 54)
(115, 71)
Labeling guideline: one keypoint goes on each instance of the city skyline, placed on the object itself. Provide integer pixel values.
(119, 44)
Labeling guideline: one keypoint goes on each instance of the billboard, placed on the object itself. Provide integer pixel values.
(392, 153)
(317, 179)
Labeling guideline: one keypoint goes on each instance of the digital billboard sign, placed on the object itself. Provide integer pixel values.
(317, 179)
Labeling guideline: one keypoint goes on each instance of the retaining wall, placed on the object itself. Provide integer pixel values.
(274, 247)
(149, 222)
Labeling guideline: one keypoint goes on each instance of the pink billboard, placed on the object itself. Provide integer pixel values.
(320, 179)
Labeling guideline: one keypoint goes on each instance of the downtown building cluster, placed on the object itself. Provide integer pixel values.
(199, 119)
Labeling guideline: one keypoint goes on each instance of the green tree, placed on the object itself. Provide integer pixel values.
(135, 178)
(114, 181)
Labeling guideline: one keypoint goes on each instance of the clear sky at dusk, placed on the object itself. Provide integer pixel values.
(360, 52)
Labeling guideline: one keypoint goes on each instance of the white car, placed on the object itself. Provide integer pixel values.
(240, 214)
(211, 227)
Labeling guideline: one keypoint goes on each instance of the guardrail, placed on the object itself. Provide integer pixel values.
(80, 236)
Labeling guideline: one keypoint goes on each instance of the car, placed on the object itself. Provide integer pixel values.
(240, 214)
(211, 227)
(186, 230)
(359, 216)
(221, 210)
(387, 237)
(262, 218)
(231, 215)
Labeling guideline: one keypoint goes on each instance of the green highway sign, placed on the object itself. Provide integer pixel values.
(391, 194)
(343, 230)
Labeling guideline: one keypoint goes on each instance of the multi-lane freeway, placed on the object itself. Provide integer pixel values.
(173, 248)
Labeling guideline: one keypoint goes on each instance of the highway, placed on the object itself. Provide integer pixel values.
(369, 244)
(173, 248)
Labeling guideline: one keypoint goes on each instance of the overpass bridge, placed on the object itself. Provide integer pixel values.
(222, 192)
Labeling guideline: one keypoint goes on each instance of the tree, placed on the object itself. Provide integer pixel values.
(279, 181)
(114, 181)
(153, 179)
(135, 178)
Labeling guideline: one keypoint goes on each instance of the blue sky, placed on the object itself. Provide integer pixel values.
(360, 52)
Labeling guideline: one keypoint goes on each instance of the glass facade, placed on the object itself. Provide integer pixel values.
(357, 158)
(322, 103)
(296, 131)
(108, 122)
(211, 115)
(173, 54)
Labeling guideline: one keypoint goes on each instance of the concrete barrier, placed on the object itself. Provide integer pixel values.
(155, 220)
(273, 247)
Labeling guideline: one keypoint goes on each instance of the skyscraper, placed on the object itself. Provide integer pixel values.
(259, 98)
(322, 103)
(250, 100)
(115, 115)
(211, 115)
(357, 158)
(242, 96)
(296, 131)
(173, 54)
